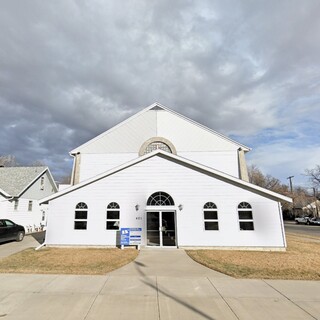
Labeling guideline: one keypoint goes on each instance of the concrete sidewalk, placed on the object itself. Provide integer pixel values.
(160, 284)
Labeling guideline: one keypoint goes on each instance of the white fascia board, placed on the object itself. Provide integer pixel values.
(78, 149)
(245, 148)
(5, 193)
(99, 176)
(32, 182)
(52, 180)
(180, 160)
(156, 104)
(225, 176)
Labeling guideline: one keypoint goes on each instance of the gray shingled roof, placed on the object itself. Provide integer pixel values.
(13, 180)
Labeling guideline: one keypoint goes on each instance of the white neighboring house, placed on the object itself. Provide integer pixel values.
(21, 188)
(182, 183)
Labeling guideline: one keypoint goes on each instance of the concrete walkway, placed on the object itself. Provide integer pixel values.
(160, 284)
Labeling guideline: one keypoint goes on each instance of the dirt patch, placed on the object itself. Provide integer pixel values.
(67, 260)
(301, 261)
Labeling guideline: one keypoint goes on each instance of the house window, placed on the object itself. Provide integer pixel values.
(210, 215)
(155, 145)
(245, 216)
(16, 204)
(30, 205)
(81, 216)
(160, 199)
(42, 183)
(113, 216)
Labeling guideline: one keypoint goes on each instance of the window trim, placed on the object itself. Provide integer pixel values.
(113, 206)
(157, 139)
(247, 207)
(30, 205)
(16, 204)
(82, 207)
(210, 206)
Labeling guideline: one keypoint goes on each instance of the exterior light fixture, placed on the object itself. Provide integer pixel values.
(180, 206)
(137, 207)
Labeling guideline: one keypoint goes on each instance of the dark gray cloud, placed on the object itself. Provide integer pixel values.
(72, 69)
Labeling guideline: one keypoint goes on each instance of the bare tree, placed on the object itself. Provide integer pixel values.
(8, 161)
(314, 175)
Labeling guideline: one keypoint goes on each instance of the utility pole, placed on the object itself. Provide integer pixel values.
(290, 182)
(316, 201)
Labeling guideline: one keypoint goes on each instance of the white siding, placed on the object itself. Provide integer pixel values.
(128, 137)
(93, 164)
(192, 189)
(37, 192)
(187, 136)
(28, 219)
(225, 161)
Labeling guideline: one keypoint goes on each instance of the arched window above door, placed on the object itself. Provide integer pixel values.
(160, 199)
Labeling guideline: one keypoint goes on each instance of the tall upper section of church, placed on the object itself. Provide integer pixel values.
(156, 127)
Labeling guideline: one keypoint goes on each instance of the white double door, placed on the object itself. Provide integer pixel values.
(161, 228)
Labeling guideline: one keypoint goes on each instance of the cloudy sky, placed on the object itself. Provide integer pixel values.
(70, 70)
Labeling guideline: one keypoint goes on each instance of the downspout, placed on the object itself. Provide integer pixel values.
(73, 167)
(243, 171)
(41, 245)
(282, 225)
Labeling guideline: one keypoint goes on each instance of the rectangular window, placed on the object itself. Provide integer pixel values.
(81, 215)
(30, 205)
(113, 220)
(42, 183)
(246, 225)
(16, 204)
(211, 220)
(245, 216)
(80, 225)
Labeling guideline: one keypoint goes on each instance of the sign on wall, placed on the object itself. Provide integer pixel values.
(130, 236)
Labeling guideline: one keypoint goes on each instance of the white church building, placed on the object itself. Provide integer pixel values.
(182, 183)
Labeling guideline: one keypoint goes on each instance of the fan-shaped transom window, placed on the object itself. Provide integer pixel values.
(210, 215)
(155, 145)
(245, 216)
(113, 216)
(81, 216)
(160, 199)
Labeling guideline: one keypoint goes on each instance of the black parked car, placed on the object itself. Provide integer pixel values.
(10, 231)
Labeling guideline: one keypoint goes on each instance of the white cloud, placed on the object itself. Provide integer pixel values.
(240, 67)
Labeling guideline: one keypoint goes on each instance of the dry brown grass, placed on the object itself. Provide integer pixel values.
(301, 261)
(67, 260)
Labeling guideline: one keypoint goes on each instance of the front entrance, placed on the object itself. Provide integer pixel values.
(161, 228)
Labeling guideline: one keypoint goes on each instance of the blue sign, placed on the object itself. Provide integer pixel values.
(130, 236)
(125, 236)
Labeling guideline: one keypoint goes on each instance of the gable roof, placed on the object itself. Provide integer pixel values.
(15, 180)
(157, 107)
(182, 161)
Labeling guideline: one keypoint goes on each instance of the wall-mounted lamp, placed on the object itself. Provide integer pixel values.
(137, 207)
(180, 206)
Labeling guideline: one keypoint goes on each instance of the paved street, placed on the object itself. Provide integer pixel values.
(160, 284)
(292, 227)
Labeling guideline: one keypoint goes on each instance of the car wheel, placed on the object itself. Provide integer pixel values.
(308, 222)
(20, 236)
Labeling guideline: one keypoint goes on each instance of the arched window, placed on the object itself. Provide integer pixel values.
(157, 145)
(210, 215)
(113, 216)
(245, 216)
(160, 199)
(81, 216)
